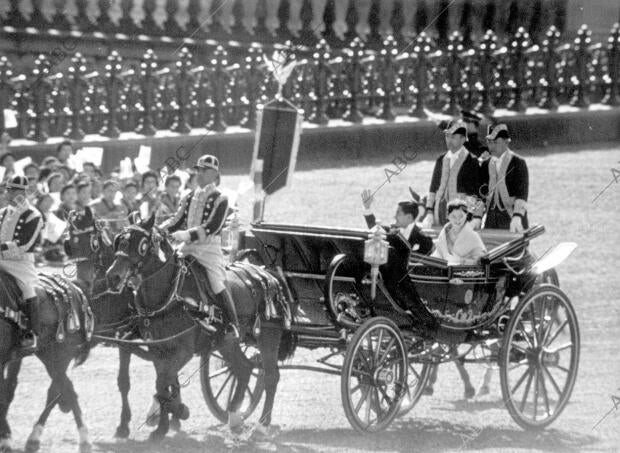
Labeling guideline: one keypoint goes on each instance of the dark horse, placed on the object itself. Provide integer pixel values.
(56, 349)
(142, 254)
(89, 245)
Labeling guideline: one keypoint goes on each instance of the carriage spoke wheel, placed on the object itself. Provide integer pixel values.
(539, 357)
(343, 296)
(374, 375)
(417, 376)
(218, 383)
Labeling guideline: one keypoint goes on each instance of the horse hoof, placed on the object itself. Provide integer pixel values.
(263, 433)
(122, 432)
(32, 446)
(484, 390)
(86, 447)
(156, 437)
(427, 391)
(5, 445)
(175, 424)
(470, 393)
(235, 420)
(183, 412)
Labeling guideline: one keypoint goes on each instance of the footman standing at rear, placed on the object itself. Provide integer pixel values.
(456, 175)
(508, 184)
(197, 223)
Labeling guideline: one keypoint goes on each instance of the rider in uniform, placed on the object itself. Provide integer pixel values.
(198, 222)
(20, 230)
(508, 184)
(457, 174)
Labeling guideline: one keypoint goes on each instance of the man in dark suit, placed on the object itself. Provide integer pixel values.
(403, 237)
(506, 202)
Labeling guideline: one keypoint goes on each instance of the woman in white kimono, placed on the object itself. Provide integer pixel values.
(458, 243)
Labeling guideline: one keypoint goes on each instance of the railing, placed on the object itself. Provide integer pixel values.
(349, 84)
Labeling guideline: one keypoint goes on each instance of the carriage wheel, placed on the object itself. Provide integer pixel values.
(218, 383)
(539, 357)
(417, 376)
(374, 375)
(343, 295)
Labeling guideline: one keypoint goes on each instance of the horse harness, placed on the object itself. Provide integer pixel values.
(200, 313)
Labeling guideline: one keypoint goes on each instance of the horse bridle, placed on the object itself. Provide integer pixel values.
(150, 242)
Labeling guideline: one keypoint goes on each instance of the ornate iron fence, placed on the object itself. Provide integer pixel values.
(349, 84)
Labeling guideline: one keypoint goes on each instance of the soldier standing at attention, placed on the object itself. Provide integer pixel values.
(506, 201)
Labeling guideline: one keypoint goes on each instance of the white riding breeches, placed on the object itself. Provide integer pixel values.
(25, 274)
(211, 257)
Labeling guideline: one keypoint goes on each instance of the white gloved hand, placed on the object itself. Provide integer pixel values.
(367, 199)
(181, 236)
(428, 220)
(476, 223)
(516, 226)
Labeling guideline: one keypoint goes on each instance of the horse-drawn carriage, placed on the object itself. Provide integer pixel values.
(500, 311)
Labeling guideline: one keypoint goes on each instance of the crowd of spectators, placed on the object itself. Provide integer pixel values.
(56, 187)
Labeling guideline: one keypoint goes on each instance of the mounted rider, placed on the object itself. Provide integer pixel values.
(198, 223)
(20, 231)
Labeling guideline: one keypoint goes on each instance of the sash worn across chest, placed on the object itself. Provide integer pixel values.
(499, 198)
(448, 186)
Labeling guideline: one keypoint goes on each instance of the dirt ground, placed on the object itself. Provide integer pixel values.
(308, 410)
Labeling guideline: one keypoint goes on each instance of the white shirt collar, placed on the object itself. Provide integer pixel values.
(453, 156)
(500, 160)
(406, 232)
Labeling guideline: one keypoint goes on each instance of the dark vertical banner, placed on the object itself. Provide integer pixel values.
(276, 144)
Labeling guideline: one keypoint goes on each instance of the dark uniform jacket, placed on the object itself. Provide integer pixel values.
(508, 191)
(474, 145)
(20, 230)
(203, 217)
(470, 180)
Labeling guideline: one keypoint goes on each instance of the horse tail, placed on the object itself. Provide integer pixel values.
(288, 344)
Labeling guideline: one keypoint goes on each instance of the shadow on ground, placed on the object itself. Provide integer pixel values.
(429, 436)
(436, 436)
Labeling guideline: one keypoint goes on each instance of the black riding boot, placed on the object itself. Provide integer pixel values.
(29, 339)
(226, 303)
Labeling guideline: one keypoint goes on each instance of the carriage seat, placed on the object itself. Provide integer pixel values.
(499, 243)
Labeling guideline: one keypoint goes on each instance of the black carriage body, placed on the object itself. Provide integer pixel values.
(304, 254)
(463, 298)
(325, 271)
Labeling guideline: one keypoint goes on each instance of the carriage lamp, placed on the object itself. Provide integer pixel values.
(375, 254)
(230, 236)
